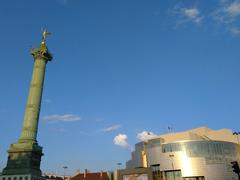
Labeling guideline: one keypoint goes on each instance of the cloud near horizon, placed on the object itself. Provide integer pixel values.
(62, 118)
(111, 128)
(146, 135)
(121, 140)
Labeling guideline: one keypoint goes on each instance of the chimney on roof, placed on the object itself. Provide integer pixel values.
(77, 172)
(85, 173)
(101, 174)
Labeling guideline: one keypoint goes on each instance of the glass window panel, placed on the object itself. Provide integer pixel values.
(173, 175)
(213, 151)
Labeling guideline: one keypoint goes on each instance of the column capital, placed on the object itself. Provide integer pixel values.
(41, 52)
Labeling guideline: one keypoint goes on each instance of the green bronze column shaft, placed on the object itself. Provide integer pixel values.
(30, 125)
(29, 131)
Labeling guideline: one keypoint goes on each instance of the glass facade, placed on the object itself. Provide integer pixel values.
(157, 174)
(154, 143)
(213, 151)
(173, 175)
(192, 160)
(194, 178)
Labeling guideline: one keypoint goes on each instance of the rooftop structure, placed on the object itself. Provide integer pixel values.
(92, 176)
(201, 133)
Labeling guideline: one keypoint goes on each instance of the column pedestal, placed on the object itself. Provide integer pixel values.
(24, 158)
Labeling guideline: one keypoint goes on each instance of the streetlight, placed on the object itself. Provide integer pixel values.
(119, 165)
(64, 172)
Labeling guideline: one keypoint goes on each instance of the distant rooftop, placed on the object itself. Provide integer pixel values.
(202, 133)
(91, 176)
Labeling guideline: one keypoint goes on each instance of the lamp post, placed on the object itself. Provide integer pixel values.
(119, 165)
(64, 172)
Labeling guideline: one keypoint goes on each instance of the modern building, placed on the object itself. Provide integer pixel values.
(197, 154)
(134, 174)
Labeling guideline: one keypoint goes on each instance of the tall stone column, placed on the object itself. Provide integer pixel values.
(30, 124)
(25, 156)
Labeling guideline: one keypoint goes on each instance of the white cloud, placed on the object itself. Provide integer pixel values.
(121, 140)
(191, 14)
(62, 118)
(234, 30)
(228, 15)
(145, 135)
(233, 9)
(186, 15)
(111, 128)
(228, 12)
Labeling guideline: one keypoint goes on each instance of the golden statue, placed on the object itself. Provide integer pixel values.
(44, 35)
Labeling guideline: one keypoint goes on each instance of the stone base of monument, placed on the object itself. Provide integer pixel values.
(21, 177)
(23, 162)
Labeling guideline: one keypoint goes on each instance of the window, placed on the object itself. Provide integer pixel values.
(153, 143)
(194, 178)
(171, 147)
(157, 174)
(173, 175)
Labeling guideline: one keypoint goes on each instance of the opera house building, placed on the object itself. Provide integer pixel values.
(197, 154)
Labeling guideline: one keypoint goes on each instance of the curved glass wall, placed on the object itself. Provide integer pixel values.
(196, 160)
(211, 150)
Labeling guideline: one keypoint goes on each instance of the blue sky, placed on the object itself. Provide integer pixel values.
(120, 67)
